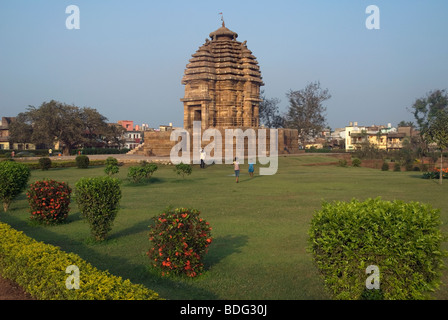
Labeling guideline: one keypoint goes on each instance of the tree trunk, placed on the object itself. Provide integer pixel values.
(441, 168)
(5, 206)
(66, 150)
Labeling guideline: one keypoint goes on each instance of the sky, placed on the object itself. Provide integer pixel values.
(127, 58)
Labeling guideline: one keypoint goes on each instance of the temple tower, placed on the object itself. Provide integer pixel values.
(222, 83)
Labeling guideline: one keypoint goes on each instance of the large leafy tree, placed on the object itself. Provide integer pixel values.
(58, 122)
(306, 110)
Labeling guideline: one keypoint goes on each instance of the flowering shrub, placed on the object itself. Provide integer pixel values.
(435, 174)
(49, 201)
(179, 239)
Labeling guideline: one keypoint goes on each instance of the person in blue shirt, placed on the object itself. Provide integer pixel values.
(251, 170)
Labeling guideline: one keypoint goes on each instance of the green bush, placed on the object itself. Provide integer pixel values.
(82, 162)
(180, 239)
(144, 171)
(41, 269)
(14, 178)
(397, 167)
(183, 169)
(49, 201)
(45, 163)
(111, 166)
(385, 166)
(356, 162)
(342, 163)
(98, 199)
(402, 239)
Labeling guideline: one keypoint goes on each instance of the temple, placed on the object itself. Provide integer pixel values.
(222, 91)
(222, 83)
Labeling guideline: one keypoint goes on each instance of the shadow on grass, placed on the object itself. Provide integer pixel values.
(143, 182)
(222, 247)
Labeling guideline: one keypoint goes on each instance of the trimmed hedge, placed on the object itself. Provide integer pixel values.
(402, 239)
(60, 163)
(41, 270)
(82, 162)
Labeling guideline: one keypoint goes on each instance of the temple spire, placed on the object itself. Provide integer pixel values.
(222, 19)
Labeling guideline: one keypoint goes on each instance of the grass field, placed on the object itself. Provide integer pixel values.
(259, 225)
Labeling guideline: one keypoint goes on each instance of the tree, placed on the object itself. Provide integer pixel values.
(437, 132)
(403, 123)
(306, 111)
(426, 109)
(69, 125)
(269, 112)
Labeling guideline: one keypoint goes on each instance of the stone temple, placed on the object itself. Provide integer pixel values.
(222, 83)
(222, 90)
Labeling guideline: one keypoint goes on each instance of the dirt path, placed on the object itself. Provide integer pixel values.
(9, 290)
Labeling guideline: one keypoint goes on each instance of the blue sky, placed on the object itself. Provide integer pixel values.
(128, 57)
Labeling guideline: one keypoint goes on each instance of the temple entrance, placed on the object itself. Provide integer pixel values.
(197, 115)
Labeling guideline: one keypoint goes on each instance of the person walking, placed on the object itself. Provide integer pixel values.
(202, 158)
(251, 170)
(236, 167)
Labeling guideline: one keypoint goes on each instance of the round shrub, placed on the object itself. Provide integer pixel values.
(45, 163)
(49, 201)
(82, 162)
(111, 166)
(14, 178)
(180, 239)
(385, 166)
(402, 239)
(98, 199)
(356, 162)
(397, 167)
(144, 171)
(183, 169)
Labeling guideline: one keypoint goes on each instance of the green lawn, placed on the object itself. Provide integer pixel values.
(259, 225)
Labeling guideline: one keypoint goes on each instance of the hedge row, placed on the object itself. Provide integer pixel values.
(41, 270)
(63, 164)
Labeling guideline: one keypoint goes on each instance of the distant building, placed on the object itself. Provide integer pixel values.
(127, 124)
(133, 136)
(5, 143)
(383, 137)
(4, 133)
